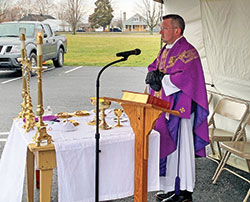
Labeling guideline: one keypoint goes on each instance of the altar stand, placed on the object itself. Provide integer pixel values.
(72, 153)
(45, 162)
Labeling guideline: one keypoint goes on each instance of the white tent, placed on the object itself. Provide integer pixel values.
(220, 30)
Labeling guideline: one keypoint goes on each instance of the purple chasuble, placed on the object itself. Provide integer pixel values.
(182, 63)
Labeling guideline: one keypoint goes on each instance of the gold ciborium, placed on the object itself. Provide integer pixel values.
(103, 105)
(118, 113)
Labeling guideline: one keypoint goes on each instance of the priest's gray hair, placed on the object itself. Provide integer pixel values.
(177, 21)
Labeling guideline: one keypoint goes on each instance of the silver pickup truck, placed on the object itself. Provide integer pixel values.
(54, 47)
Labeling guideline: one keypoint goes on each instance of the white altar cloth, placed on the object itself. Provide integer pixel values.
(75, 155)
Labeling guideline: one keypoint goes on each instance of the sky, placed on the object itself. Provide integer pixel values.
(119, 6)
(128, 6)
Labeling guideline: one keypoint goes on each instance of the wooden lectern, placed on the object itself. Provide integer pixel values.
(143, 110)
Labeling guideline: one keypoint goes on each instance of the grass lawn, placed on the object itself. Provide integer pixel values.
(99, 49)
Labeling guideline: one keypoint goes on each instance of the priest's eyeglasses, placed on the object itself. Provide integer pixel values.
(167, 28)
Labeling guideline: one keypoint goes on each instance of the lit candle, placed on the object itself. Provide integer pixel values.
(22, 32)
(22, 37)
(39, 44)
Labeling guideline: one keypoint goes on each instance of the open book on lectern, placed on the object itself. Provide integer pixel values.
(130, 97)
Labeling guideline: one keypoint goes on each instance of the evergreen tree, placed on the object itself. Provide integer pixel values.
(102, 15)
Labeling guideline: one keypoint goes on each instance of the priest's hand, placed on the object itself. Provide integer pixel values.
(154, 78)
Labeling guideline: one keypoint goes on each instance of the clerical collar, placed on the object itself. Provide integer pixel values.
(168, 46)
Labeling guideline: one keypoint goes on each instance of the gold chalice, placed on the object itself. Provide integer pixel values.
(93, 102)
(93, 122)
(103, 105)
(118, 113)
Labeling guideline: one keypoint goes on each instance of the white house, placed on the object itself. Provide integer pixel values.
(136, 23)
(58, 25)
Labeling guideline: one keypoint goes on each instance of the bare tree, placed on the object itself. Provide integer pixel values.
(152, 11)
(26, 6)
(61, 11)
(3, 9)
(14, 13)
(61, 14)
(117, 22)
(73, 12)
(43, 7)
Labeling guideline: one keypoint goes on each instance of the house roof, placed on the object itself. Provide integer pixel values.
(35, 17)
(136, 20)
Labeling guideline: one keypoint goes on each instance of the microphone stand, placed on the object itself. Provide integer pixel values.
(97, 135)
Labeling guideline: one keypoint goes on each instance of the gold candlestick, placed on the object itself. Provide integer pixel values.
(26, 112)
(41, 134)
(24, 87)
(29, 116)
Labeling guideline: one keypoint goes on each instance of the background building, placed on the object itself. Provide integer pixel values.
(136, 23)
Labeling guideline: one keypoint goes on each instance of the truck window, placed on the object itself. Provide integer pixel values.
(48, 30)
(39, 28)
(12, 29)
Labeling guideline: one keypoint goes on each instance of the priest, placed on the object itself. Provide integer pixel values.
(176, 76)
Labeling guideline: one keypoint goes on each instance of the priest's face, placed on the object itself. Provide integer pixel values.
(168, 32)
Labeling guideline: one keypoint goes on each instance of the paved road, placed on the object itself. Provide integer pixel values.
(68, 89)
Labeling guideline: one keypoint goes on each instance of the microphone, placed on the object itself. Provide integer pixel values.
(125, 54)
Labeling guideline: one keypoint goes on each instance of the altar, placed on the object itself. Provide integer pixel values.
(75, 160)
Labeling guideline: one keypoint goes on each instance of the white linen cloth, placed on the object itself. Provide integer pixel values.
(75, 155)
(187, 154)
(12, 166)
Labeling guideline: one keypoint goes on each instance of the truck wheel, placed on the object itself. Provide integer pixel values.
(33, 63)
(58, 62)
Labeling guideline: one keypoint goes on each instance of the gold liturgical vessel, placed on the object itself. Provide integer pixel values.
(118, 113)
(41, 134)
(103, 105)
(27, 112)
(93, 102)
